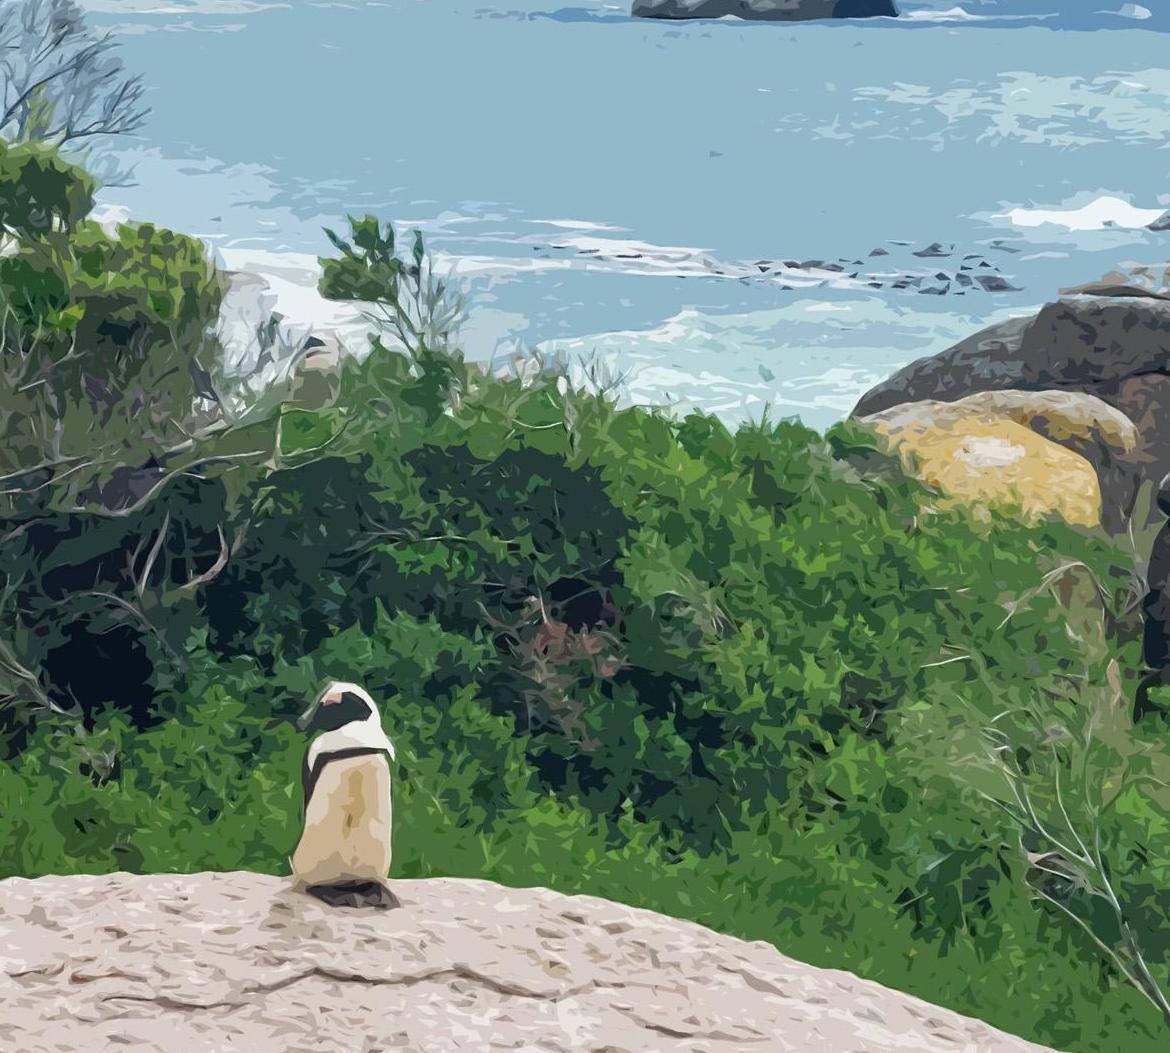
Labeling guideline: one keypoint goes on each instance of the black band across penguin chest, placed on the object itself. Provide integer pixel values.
(309, 776)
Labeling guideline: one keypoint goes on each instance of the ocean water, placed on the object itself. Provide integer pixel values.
(733, 215)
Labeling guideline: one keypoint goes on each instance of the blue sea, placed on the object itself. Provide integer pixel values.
(735, 216)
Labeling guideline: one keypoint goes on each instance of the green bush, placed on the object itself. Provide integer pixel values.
(103, 337)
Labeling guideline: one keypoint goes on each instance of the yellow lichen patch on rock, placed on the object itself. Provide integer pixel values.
(982, 459)
(1072, 418)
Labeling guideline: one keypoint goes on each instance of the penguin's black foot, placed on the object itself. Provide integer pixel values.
(355, 894)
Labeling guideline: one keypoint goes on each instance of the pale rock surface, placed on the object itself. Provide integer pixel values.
(239, 962)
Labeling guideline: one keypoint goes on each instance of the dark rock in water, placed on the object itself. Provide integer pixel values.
(934, 251)
(1115, 349)
(1161, 223)
(995, 283)
(865, 9)
(764, 10)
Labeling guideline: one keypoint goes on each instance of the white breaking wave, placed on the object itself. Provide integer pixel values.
(1116, 107)
(1102, 213)
(959, 14)
(813, 359)
(1134, 11)
(291, 278)
(575, 224)
(182, 7)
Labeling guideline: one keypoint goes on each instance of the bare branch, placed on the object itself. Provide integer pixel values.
(143, 579)
(59, 81)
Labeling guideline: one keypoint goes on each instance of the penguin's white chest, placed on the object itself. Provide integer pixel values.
(347, 823)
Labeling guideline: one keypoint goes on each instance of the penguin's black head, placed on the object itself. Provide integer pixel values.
(332, 711)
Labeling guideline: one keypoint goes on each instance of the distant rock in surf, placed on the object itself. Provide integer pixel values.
(1161, 223)
(995, 283)
(764, 10)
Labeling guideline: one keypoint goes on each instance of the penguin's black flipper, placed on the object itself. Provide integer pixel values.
(355, 894)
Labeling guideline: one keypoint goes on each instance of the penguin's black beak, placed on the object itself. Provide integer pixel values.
(306, 718)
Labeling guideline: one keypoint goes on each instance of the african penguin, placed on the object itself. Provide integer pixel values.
(343, 857)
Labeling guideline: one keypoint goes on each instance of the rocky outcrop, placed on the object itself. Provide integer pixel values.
(1075, 344)
(1114, 347)
(764, 10)
(238, 961)
(983, 458)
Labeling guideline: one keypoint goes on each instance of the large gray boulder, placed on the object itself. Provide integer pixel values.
(1077, 344)
(216, 962)
(764, 10)
(1116, 348)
